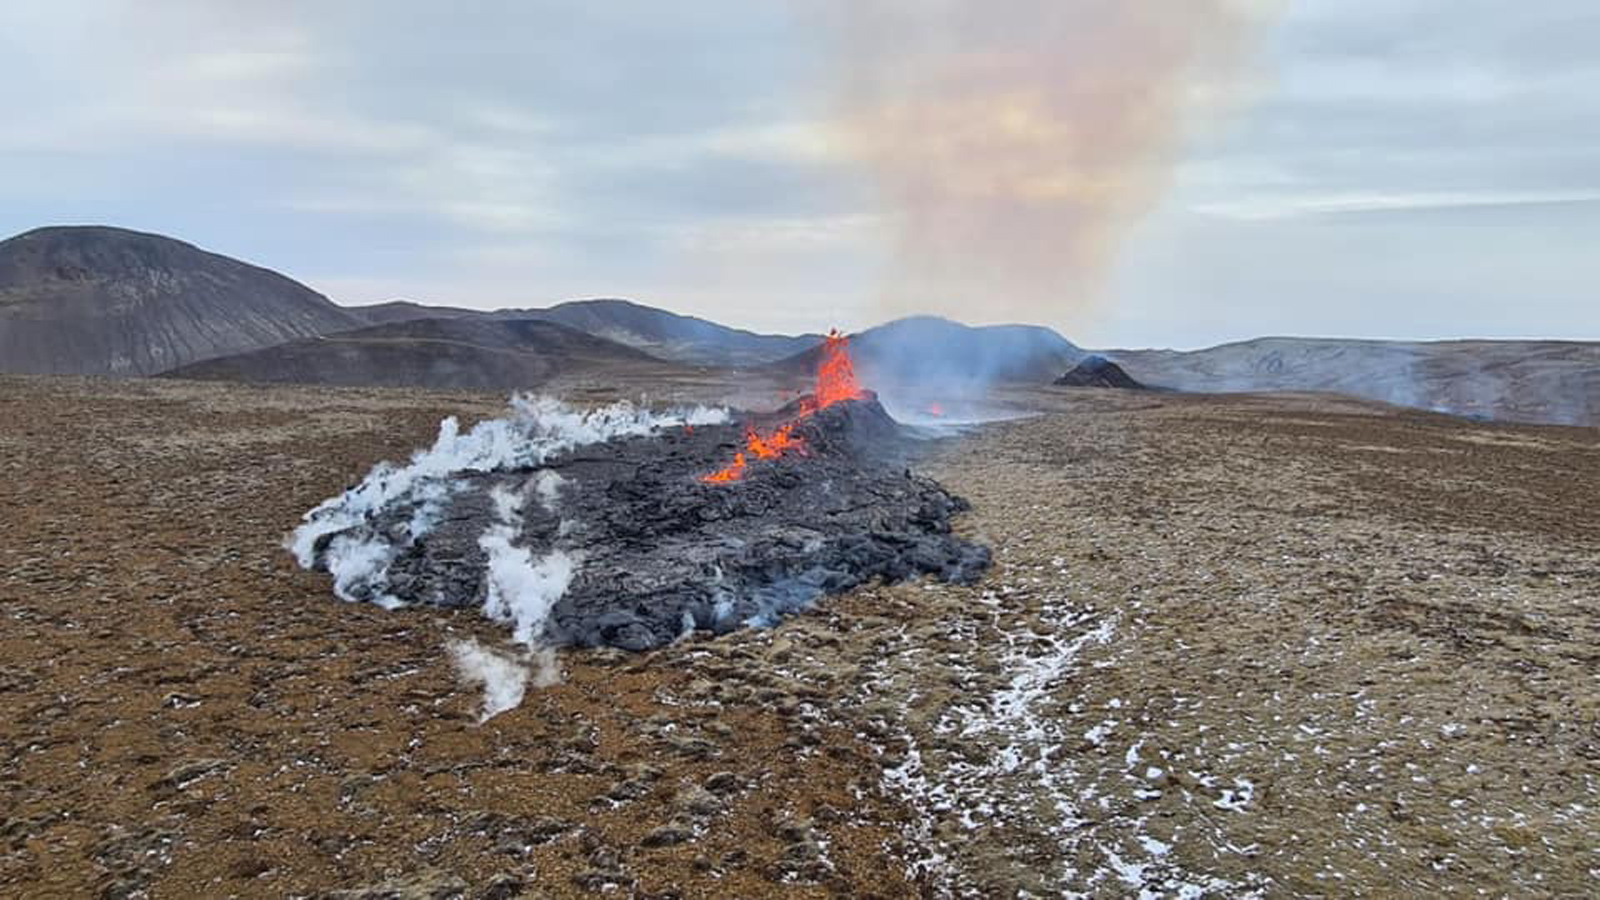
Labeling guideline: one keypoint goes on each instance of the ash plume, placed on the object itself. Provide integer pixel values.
(1014, 141)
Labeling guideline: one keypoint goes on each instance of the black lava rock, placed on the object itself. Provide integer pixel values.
(659, 551)
(1099, 372)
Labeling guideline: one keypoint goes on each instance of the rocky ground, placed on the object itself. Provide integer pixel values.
(1286, 646)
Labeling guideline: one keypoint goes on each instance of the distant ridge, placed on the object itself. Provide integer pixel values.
(109, 301)
(1552, 382)
(407, 311)
(927, 349)
(467, 353)
(671, 336)
(658, 332)
(100, 300)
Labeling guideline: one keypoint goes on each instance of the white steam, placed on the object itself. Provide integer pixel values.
(504, 677)
(354, 561)
(522, 590)
(537, 429)
(549, 485)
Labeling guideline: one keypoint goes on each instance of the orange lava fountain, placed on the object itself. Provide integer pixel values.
(836, 383)
(836, 374)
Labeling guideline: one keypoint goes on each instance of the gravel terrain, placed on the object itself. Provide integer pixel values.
(1229, 646)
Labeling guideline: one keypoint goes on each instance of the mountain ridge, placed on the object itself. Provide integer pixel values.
(91, 299)
(924, 349)
(469, 353)
(102, 300)
(1550, 382)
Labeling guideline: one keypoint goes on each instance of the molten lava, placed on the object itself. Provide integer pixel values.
(836, 374)
(836, 383)
(733, 472)
(773, 445)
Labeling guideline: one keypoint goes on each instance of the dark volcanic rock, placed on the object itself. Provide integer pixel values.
(658, 551)
(1099, 372)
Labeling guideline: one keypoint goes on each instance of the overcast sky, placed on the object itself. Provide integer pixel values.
(1389, 168)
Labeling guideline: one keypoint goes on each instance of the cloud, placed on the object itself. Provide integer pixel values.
(488, 153)
(1357, 203)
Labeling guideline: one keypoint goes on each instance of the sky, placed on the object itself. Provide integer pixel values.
(1131, 173)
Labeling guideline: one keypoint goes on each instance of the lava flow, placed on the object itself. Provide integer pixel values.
(836, 383)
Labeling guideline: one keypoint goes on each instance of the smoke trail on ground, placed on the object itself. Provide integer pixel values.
(504, 678)
(1013, 141)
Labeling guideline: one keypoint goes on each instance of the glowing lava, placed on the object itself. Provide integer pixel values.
(773, 445)
(733, 472)
(836, 383)
(836, 374)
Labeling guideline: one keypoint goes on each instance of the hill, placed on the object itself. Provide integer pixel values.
(407, 311)
(1098, 372)
(669, 336)
(658, 332)
(1554, 382)
(925, 350)
(463, 353)
(108, 301)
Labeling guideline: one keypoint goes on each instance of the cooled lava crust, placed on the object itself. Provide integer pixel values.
(661, 552)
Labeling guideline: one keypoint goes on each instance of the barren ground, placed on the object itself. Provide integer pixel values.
(1292, 646)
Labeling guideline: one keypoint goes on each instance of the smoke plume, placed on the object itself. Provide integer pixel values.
(1014, 141)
